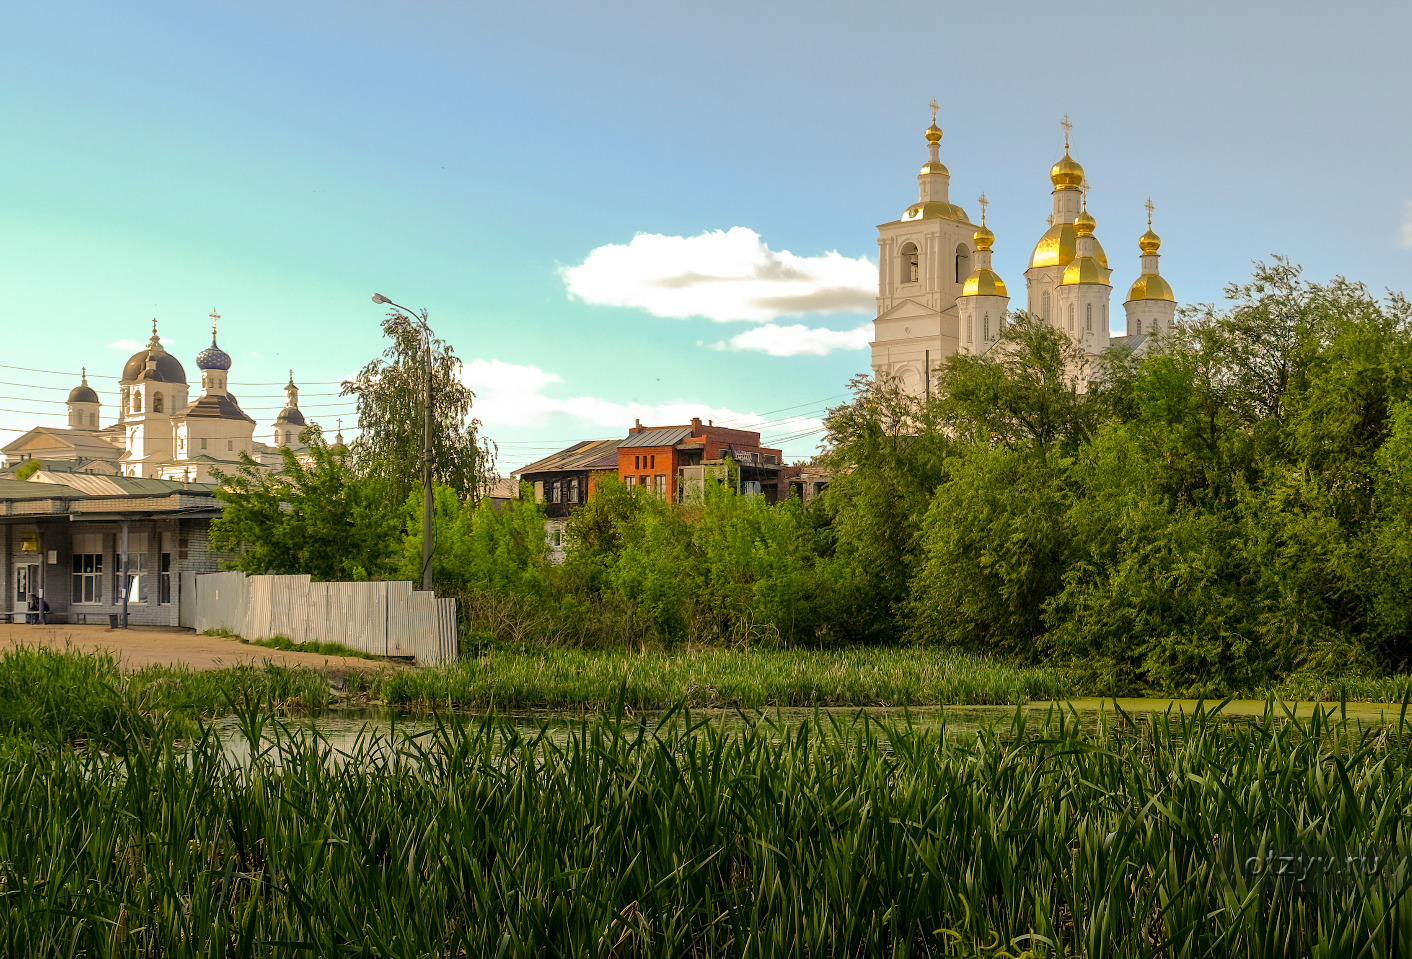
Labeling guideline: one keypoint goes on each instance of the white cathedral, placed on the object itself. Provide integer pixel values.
(158, 434)
(937, 293)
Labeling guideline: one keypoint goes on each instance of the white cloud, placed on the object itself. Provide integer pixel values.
(722, 275)
(799, 340)
(1407, 227)
(510, 395)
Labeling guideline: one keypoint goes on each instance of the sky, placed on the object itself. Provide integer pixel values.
(621, 211)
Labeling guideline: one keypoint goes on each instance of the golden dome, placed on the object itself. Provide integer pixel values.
(933, 132)
(1150, 286)
(1058, 247)
(1085, 270)
(935, 209)
(984, 283)
(1084, 223)
(935, 166)
(1066, 174)
(1149, 242)
(983, 237)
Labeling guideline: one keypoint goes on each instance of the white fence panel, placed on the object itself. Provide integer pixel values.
(384, 619)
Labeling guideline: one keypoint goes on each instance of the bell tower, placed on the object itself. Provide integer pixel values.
(924, 258)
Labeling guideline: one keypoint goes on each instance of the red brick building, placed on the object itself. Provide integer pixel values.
(654, 456)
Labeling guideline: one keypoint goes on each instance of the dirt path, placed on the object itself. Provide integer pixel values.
(139, 647)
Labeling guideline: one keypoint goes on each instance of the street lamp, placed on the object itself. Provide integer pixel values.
(427, 461)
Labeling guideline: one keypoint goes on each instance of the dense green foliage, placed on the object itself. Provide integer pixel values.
(668, 837)
(316, 517)
(1228, 510)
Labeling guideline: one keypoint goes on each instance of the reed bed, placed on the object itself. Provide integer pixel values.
(671, 837)
(723, 678)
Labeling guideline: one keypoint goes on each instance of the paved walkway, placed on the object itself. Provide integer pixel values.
(139, 647)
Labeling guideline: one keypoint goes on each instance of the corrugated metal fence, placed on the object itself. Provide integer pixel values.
(385, 619)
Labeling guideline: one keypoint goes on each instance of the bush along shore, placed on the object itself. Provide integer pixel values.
(611, 836)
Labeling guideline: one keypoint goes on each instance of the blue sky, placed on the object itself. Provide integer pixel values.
(282, 161)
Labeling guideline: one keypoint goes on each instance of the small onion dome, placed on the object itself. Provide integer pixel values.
(167, 365)
(1059, 246)
(932, 167)
(984, 283)
(83, 393)
(933, 133)
(1149, 242)
(213, 358)
(936, 209)
(983, 237)
(291, 416)
(1066, 174)
(1150, 286)
(1084, 224)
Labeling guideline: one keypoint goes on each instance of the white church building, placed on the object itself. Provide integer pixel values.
(160, 432)
(938, 294)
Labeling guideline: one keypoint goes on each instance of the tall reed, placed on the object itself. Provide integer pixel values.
(677, 837)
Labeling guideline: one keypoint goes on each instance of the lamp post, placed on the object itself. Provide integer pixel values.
(427, 460)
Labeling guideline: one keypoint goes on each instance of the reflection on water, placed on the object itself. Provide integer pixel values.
(384, 730)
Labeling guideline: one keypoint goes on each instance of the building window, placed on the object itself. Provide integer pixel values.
(137, 401)
(1071, 317)
(554, 492)
(230, 446)
(88, 568)
(661, 485)
(1088, 317)
(156, 402)
(1044, 304)
(985, 329)
(574, 490)
(556, 538)
(652, 462)
(911, 264)
(164, 580)
(203, 443)
(1139, 327)
(963, 262)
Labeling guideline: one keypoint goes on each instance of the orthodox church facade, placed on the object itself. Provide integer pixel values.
(939, 295)
(161, 432)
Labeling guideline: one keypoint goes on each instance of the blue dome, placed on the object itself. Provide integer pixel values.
(213, 358)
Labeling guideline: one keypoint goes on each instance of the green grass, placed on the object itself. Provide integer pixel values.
(749, 679)
(67, 696)
(835, 837)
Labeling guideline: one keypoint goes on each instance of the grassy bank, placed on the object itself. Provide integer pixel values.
(68, 696)
(749, 679)
(832, 838)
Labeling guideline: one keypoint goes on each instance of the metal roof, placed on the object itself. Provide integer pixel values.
(657, 436)
(583, 455)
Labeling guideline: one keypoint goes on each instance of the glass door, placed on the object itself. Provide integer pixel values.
(26, 582)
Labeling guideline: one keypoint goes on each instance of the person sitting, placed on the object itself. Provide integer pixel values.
(32, 617)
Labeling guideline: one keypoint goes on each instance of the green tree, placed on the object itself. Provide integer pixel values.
(391, 397)
(318, 518)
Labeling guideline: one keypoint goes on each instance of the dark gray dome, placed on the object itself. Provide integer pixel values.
(83, 394)
(213, 358)
(290, 415)
(168, 367)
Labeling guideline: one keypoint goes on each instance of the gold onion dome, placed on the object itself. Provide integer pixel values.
(1059, 246)
(1084, 224)
(1149, 242)
(983, 237)
(1066, 174)
(933, 132)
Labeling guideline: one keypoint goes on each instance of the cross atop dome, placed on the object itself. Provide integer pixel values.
(983, 204)
(1067, 128)
(214, 318)
(1149, 207)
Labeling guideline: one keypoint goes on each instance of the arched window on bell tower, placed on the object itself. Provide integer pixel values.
(911, 263)
(156, 402)
(963, 262)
